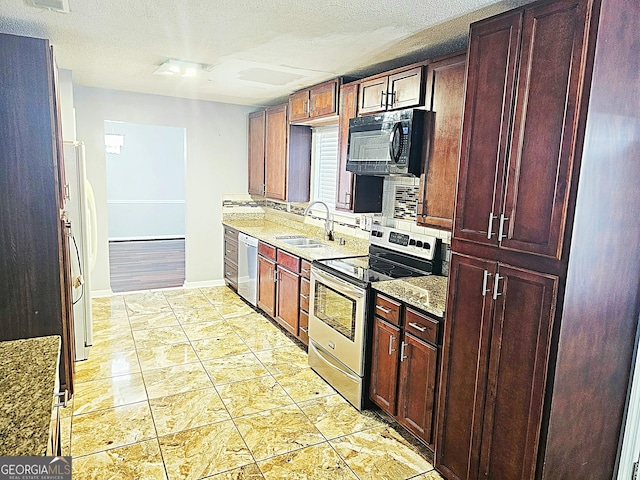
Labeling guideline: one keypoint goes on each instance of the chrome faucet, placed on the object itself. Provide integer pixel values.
(328, 234)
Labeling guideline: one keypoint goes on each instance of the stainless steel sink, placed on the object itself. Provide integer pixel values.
(301, 242)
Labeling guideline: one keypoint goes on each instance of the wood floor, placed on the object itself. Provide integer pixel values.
(146, 264)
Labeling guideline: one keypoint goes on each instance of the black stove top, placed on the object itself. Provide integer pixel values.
(381, 264)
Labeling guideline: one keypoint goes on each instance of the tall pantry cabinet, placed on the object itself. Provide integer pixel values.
(35, 287)
(543, 300)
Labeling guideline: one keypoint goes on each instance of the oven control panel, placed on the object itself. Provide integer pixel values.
(408, 242)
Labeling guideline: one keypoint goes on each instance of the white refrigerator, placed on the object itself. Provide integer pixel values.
(81, 212)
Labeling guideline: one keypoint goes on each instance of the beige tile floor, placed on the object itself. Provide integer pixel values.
(189, 384)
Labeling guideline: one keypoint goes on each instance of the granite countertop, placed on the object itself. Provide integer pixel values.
(268, 231)
(28, 380)
(426, 293)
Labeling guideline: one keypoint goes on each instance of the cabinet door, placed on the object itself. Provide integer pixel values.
(445, 87)
(288, 304)
(348, 110)
(546, 112)
(323, 99)
(256, 153)
(384, 369)
(493, 57)
(406, 89)
(416, 393)
(276, 153)
(373, 95)
(520, 338)
(266, 285)
(465, 362)
(299, 106)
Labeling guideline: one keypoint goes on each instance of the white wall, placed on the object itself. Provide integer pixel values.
(216, 164)
(146, 182)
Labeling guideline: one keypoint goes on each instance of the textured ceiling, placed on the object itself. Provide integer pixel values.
(255, 52)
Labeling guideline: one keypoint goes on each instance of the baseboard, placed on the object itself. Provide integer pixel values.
(101, 293)
(208, 283)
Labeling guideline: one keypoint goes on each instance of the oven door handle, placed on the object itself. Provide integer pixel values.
(336, 283)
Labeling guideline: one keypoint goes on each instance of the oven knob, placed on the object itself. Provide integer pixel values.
(419, 244)
(412, 242)
(427, 246)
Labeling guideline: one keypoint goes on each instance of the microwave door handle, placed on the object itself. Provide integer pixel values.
(395, 153)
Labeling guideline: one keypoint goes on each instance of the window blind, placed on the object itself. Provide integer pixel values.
(325, 164)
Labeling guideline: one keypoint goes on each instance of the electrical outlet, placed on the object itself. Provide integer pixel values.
(366, 222)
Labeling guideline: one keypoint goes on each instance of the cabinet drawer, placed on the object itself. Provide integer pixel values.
(421, 326)
(231, 251)
(305, 269)
(267, 250)
(387, 309)
(288, 261)
(303, 327)
(305, 286)
(231, 272)
(230, 234)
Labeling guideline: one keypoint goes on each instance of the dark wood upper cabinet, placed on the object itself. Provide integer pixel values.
(256, 152)
(445, 88)
(344, 180)
(287, 161)
(401, 88)
(492, 60)
(354, 193)
(276, 152)
(316, 102)
(523, 93)
(35, 276)
(541, 154)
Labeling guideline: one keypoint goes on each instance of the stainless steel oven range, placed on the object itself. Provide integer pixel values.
(339, 303)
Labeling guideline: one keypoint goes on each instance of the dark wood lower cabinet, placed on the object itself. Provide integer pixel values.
(404, 369)
(288, 304)
(495, 357)
(266, 285)
(384, 370)
(416, 393)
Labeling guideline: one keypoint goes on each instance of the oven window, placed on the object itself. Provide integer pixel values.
(336, 310)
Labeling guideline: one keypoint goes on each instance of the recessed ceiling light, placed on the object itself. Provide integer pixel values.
(61, 6)
(178, 68)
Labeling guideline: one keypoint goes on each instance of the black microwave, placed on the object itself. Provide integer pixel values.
(389, 143)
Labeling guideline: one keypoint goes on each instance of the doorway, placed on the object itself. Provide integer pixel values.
(146, 167)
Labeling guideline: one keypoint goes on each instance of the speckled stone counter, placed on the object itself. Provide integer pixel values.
(28, 375)
(426, 293)
(269, 231)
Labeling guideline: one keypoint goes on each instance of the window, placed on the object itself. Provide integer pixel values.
(325, 164)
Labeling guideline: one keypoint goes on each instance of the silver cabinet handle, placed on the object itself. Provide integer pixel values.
(402, 355)
(305, 270)
(65, 396)
(393, 98)
(276, 276)
(485, 279)
(417, 326)
(501, 229)
(306, 106)
(382, 100)
(385, 310)
(495, 287)
(492, 217)
(391, 349)
(306, 297)
(305, 329)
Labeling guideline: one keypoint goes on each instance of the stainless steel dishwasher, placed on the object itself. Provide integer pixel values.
(247, 267)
